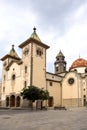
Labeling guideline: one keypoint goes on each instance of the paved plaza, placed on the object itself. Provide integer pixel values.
(71, 119)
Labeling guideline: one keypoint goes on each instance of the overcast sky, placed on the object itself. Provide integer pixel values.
(61, 24)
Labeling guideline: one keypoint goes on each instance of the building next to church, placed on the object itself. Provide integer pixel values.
(66, 88)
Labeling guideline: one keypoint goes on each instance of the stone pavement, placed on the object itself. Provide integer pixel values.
(71, 119)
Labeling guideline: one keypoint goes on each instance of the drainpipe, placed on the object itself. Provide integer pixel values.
(78, 85)
(61, 94)
(31, 66)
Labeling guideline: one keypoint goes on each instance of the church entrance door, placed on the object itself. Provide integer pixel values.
(12, 101)
(50, 101)
(84, 100)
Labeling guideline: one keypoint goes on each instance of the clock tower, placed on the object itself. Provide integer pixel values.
(60, 63)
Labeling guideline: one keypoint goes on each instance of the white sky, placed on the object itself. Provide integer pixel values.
(61, 24)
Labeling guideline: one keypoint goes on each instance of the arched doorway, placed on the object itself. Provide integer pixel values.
(7, 101)
(18, 101)
(12, 101)
(50, 101)
(84, 100)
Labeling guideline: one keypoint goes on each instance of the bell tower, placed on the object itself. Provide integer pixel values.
(60, 63)
(34, 60)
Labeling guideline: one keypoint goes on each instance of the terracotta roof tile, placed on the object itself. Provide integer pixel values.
(79, 63)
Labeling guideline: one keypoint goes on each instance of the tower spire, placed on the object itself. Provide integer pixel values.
(60, 63)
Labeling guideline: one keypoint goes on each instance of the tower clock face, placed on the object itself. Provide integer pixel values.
(71, 81)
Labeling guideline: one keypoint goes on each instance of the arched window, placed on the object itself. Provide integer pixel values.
(7, 101)
(39, 51)
(4, 77)
(25, 84)
(85, 70)
(25, 69)
(13, 77)
(3, 89)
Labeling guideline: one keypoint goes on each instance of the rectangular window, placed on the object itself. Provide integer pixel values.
(25, 69)
(39, 51)
(51, 83)
(25, 84)
(4, 77)
(3, 89)
(56, 68)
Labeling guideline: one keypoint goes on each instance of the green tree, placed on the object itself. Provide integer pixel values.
(33, 93)
(44, 94)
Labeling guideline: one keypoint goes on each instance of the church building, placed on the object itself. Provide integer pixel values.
(66, 88)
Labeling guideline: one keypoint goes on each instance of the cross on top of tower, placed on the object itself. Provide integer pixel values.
(34, 29)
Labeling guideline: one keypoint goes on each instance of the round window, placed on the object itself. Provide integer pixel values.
(71, 81)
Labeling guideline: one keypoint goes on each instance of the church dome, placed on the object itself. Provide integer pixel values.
(80, 62)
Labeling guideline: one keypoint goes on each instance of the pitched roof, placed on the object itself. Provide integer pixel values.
(33, 38)
(34, 35)
(60, 54)
(11, 54)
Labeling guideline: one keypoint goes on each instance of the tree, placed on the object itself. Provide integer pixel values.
(33, 93)
(44, 94)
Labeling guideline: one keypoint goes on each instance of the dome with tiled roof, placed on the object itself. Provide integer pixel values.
(80, 62)
(12, 54)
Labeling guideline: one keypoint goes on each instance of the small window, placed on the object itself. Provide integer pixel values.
(25, 69)
(56, 68)
(64, 68)
(62, 58)
(84, 96)
(86, 70)
(13, 77)
(4, 77)
(26, 51)
(3, 89)
(75, 70)
(39, 51)
(51, 84)
(25, 84)
(71, 81)
(84, 89)
(57, 58)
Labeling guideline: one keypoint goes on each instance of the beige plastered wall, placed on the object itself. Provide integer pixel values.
(71, 94)
(39, 68)
(55, 92)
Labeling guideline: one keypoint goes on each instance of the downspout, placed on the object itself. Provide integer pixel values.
(31, 65)
(78, 85)
(61, 94)
(45, 76)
